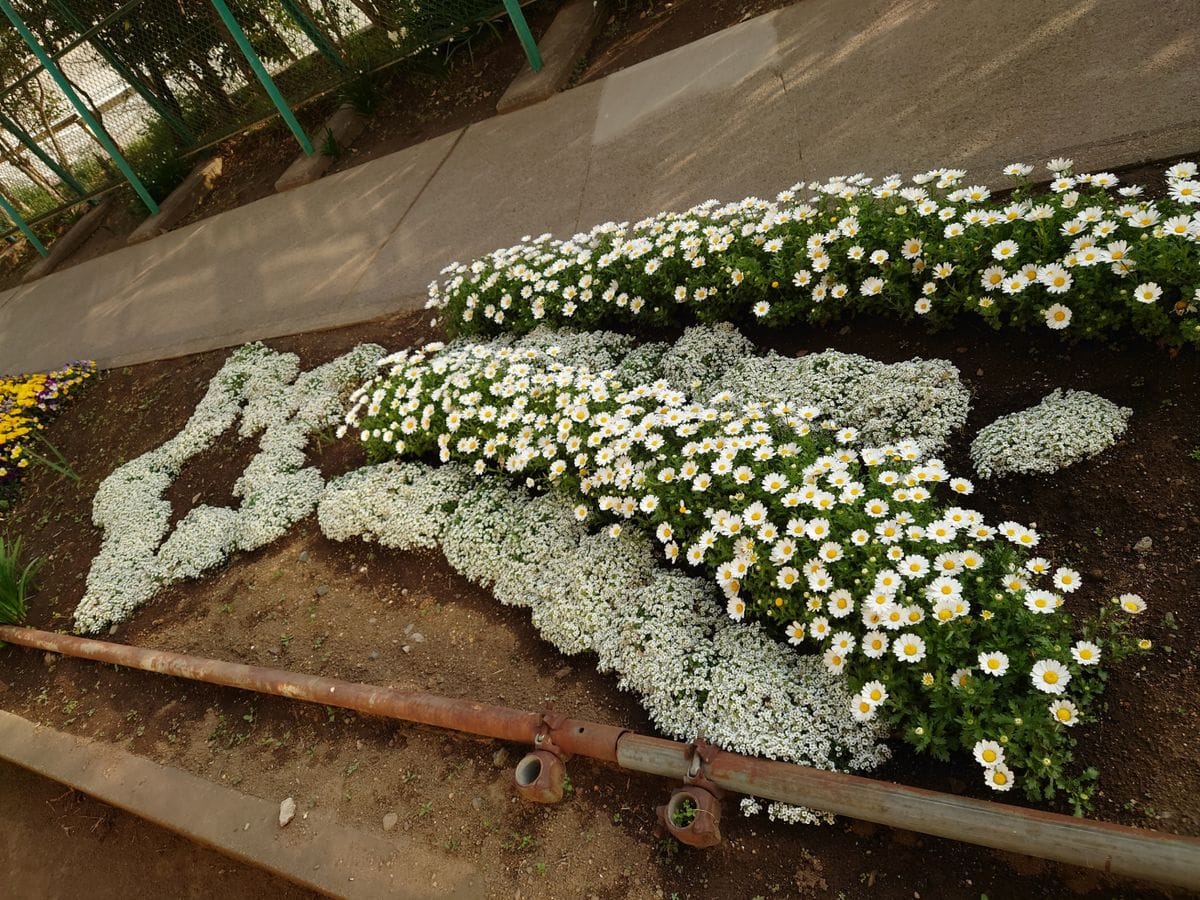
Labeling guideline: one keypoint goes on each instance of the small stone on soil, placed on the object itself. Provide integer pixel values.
(1144, 546)
(49, 659)
(500, 757)
(374, 654)
(563, 672)
(322, 590)
(303, 556)
(287, 811)
(418, 637)
(477, 804)
(389, 821)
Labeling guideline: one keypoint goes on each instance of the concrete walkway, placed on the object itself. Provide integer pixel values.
(820, 88)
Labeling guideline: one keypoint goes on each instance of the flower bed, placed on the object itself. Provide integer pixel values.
(693, 669)
(26, 402)
(1087, 258)
(948, 630)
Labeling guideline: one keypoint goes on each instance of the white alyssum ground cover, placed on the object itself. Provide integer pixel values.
(1061, 430)
(922, 400)
(277, 489)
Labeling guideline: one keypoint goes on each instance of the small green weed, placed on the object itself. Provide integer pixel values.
(330, 146)
(16, 581)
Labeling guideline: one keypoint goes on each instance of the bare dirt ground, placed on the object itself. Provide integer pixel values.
(640, 29)
(405, 619)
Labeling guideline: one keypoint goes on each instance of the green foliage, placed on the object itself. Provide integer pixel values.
(55, 462)
(16, 581)
(684, 814)
(155, 157)
(330, 146)
(361, 92)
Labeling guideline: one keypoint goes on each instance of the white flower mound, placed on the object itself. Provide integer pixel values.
(1061, 430)
(663, 633)
(277, 489)
(922, 400)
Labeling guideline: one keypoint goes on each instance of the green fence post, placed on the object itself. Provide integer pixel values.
(84, 113)
(264, 77)
(314, 33)
(49, 161)
(518, 19)
(23, 225)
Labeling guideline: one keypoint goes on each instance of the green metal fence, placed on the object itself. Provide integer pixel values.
(97, 94)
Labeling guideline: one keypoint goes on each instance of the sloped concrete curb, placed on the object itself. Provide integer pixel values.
(313, 852)
(71, 241)
(180, 202)
(344, 126)
(565, 42)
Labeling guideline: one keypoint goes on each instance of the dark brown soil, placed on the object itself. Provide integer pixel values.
(443, 91)
(53, 840)
(405, 619)
(640, 29)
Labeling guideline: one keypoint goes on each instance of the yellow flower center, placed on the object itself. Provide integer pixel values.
(1050, 677)
(1064, 714)
(1000, 778)
(989, 756)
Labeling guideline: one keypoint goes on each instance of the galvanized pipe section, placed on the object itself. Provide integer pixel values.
(1116, 849)
(1132, 852)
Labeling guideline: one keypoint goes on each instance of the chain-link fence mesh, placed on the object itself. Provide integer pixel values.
(165, 78)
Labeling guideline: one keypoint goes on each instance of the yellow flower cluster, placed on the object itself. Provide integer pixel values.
(26, 402)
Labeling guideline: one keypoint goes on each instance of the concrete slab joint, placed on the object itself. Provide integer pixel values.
(180, 202)
(342, 128)
(565, 43)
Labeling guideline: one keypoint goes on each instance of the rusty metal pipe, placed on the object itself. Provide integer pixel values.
(1115, 849)
(414, 706)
